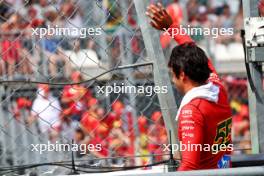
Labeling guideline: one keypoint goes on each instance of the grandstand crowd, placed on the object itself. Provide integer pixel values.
(77, 113)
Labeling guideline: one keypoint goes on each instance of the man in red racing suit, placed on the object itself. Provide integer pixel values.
(204, 116)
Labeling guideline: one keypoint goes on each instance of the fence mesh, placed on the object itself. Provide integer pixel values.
(51, 53)
(238, 97)
(65, 45)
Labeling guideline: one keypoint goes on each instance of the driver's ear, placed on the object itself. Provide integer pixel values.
(182, 76)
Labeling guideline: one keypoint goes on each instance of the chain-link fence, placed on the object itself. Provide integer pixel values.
(76, 74)
(226, 52)
(238, 97)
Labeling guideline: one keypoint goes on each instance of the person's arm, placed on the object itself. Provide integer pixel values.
(180, 39)
(161, 20)
(191, 133)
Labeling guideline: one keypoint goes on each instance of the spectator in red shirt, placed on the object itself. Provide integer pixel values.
(75, 97)
(22, 103)
(95, 130)
(10, 44)
(119, 142)
(90, 120)
(157, 135)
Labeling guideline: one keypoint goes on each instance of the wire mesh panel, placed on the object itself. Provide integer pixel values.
(77, 85)
(80, 86)
(238, 97)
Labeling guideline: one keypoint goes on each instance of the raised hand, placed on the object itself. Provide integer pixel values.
(160, 19)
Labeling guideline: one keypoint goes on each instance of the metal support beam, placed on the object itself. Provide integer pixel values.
(255, 56)
(161, 72)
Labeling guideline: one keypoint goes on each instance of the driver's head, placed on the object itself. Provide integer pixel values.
(189, 66)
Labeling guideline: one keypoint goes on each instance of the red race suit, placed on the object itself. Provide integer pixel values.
(204, 117)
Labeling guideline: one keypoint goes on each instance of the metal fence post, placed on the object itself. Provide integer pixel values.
(2, 134)
(161, 73)
(256, 106)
